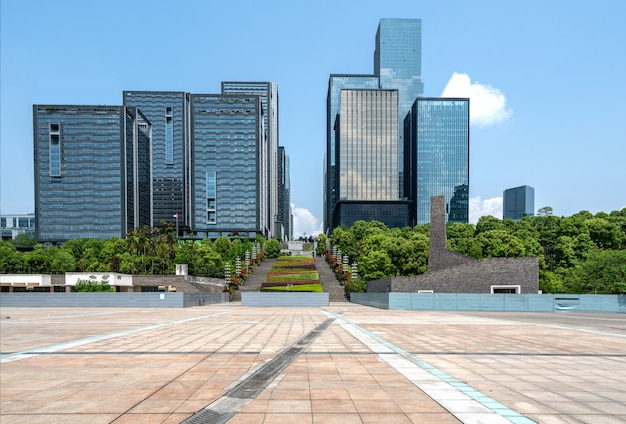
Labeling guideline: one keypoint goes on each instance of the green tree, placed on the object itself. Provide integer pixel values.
(376, 264)
(272, 248)
(92, 286)
(11, 261)
(603, 272)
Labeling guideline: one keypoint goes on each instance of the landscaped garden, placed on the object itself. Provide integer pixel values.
(293, 273)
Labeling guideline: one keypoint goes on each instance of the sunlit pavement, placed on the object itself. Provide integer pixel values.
(343, 364)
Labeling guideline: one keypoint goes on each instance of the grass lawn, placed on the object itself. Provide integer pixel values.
(293, 273)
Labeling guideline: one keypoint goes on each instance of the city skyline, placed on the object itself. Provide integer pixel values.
(544, 82)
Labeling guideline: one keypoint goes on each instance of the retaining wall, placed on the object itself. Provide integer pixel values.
(117, 300)
(493, 302)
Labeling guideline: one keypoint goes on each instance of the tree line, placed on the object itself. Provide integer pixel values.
(144, 250)
(582, 253)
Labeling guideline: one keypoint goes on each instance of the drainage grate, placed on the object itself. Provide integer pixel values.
(227, 406)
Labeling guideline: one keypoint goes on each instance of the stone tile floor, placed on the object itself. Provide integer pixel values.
(136, 365)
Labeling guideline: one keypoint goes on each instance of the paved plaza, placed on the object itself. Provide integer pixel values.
(344, 363)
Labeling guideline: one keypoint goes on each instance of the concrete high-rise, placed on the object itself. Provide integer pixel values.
(437, 157)
(518, 202)
(92, 171)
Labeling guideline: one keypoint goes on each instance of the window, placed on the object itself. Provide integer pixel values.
(55, 150)
(211, 189)
(505, 289)
(169, 136)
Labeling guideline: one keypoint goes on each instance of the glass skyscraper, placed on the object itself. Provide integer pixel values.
(284, 195)
(92, 171)
(171, 153)
(518, 202)
(437, 157)
(366, 134)
(397, 66)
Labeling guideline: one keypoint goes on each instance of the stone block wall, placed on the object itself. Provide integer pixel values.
(473, 277)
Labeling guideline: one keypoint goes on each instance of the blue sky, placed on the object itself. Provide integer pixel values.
(546, 79)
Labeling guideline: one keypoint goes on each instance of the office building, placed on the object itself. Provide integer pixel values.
(169, 113)
(229, 166)
(13, 225)
(268, 92)
(284, 197)
(367, 158)
(92, 171)
(518, 202)
(437, 157)
(397, 66)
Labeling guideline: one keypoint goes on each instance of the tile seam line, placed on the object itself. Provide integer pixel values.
(476, 395)
(29, 353)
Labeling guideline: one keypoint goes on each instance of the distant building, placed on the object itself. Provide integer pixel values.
(437, 157)
(518, 202)
(92, 171)
(445, 131)
(12, 225)
(284, 195)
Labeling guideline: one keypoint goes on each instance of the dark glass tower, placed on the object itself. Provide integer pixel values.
(92, 171)
(518, 202)
(437, 157)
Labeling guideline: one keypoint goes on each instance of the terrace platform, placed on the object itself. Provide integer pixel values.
(344, 363)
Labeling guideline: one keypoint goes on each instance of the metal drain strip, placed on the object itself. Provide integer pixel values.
(224, 408)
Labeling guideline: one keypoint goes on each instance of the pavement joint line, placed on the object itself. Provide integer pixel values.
(468, 404)
(253, 383)
(29, 353)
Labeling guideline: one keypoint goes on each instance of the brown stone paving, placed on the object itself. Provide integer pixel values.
(561, 368)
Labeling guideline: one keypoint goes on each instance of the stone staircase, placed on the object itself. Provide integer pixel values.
(329, 280)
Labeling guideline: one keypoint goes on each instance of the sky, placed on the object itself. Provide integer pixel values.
(546, 81)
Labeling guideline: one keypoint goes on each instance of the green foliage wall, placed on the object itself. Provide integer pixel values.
(583, 253)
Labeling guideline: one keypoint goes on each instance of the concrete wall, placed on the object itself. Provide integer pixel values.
(117, 300)
(471, 277)
(283, 299)
(493, 302)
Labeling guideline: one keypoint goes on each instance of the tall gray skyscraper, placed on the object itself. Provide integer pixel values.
(92, 171)
(518, 202)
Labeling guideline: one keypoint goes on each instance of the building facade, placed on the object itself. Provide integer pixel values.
(367, 158)
(169, 114)
(92, 171)
(397, 66)
(229, 166)
(518, 202)
(437, 157)
(13, 225)
(285, 218)
(268, 93)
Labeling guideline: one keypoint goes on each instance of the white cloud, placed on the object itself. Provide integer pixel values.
(304, 222)
(479, 208)
(487, 103)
